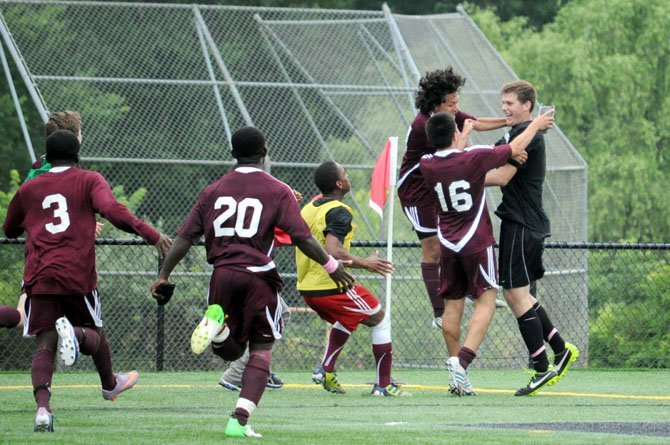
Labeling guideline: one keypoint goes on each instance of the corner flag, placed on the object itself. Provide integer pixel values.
(383, 175)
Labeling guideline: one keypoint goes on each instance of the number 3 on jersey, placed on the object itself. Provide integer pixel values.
(459, 198)
(60, 212)
(233, 209)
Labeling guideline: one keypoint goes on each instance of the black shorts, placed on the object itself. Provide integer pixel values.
(520, 255)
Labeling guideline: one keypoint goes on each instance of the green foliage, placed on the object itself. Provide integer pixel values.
(605, 65)
(628, 323)
(10, 278)
(6, 197)
(13, 150)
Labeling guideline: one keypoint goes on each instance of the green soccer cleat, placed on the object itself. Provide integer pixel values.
(563, 360)
(209, 329)
(234, 429)
(538, 381)
(331, 384)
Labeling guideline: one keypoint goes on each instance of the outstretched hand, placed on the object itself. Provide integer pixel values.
(163, 245)
(546, 120)
(298, 196)
(376, 264)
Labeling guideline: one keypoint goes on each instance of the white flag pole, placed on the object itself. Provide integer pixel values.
(389, 235)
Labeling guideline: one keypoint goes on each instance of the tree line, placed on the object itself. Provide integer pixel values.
(605, 64)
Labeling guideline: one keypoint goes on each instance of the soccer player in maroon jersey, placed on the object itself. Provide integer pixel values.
(523, 228)
(57, 210)
(467, 261)
(438, 92)
(237, 215)
(11, 317)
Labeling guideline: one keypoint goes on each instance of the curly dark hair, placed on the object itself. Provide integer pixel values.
(434, 86)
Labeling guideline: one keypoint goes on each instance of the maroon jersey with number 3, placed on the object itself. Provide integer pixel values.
(57, 209)
(458, 177)
(238, 213)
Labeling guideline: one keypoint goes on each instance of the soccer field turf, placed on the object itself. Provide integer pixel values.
(587, 406)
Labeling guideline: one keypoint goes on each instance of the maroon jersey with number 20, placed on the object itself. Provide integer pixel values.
(238, 214)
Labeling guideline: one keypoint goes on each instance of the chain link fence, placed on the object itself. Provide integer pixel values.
(623, 323)
(162, 87)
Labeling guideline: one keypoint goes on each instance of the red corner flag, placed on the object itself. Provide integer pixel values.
(383, 175)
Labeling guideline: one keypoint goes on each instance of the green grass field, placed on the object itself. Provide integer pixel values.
(587, 406)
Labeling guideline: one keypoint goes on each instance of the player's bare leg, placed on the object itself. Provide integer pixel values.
(485, 306)
(519, 300)
(451, 325)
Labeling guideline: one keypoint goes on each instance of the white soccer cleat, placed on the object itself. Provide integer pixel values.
(44, 421)
(68, 346)
(459, 383)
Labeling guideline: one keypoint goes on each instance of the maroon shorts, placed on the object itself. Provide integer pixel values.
(423, 217)
(350, 308)
(467, 275)
(251, 305)
(42, 311)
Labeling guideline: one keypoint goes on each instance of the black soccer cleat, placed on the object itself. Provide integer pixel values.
(538, 381)
(563, 360)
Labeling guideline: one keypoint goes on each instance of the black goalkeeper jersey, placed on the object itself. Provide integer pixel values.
(522, 196)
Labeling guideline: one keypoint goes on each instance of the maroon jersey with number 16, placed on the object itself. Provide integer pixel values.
(457, 177)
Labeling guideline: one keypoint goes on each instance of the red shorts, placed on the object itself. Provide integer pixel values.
(350, 308)
(423, 217)
(467, 275)
(42, 311)
(251, 305)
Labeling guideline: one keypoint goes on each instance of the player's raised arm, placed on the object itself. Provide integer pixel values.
(540, 123)
(489, 123)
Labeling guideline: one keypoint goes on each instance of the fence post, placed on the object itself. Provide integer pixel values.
(160, 328)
